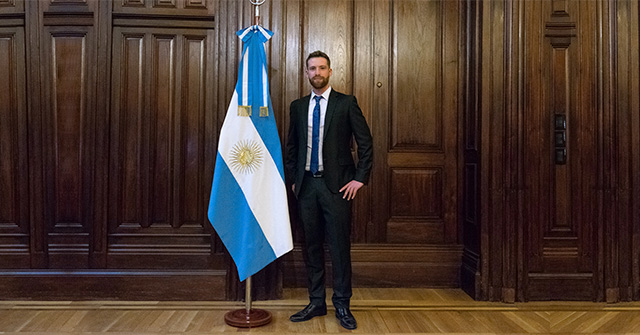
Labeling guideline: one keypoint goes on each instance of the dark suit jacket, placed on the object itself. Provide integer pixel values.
(343, 121)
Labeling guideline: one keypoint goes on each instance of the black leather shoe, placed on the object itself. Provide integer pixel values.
(346, 318)
(309, 312)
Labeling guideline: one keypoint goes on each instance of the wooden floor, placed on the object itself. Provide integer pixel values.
(378, 311)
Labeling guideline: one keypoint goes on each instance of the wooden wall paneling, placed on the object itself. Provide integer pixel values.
(513, 188)
(190, 8)
(373, 50)
(157, 149)
(612, 245)
(82, 8)
(470, 275)
(14, 182)
(380, 57)
(620, 289)
(634, 104)
(537, 143)
(272, 17)
(452, 96)
(624, 76)
(542, 221)
(328, 26)
(423, 118)
(562, 203)
(293, 80)
(69, 156)
(35, 134)
(11, 6)
(69, 49)
(364, 87)
(162, 141)
(98, 250)
(12, 13)
(496, 21)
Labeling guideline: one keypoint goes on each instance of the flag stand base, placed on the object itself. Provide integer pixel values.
(247, 317)
(255, 318)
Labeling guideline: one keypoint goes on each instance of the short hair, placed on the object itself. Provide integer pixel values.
(316, 54)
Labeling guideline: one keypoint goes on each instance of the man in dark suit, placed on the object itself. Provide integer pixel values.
(325, 178)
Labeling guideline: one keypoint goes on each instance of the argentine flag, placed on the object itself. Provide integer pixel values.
(248, 205)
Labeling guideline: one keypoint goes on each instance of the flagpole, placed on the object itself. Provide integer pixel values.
(247, 296)
(249, 317)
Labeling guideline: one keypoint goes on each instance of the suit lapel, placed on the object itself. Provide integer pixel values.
(331, 108)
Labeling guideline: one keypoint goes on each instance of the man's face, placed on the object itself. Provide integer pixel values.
(318, 72)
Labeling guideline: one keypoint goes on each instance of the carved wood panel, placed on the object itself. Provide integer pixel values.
(14, 182)
(423, 122)
(11, 6)
(622, 245)
(560, 150)
(401, 60)
(165, 7)
(56, 128)
(555, 227)
(159, 174)
(411, 103)
(70, 113)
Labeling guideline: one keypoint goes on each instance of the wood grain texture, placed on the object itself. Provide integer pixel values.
(378, 311)
(113, 111)
(158, 132)
(14, 182)
(411, 197)
(561, 225)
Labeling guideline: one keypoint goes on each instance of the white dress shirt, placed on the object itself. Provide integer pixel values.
(323, 111)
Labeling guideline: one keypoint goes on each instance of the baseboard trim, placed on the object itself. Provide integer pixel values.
(113, 285)
(388, 265)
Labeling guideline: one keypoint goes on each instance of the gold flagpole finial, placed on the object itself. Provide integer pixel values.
(256, 4)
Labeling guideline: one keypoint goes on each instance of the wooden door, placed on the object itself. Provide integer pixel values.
(417, 97)
(562, 160)
(548, 168)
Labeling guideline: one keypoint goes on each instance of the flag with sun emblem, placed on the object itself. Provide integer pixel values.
(248, 205)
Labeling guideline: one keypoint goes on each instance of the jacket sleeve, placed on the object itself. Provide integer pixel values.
(364, 140)
(291, 149)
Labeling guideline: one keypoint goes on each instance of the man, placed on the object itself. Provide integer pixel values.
(325, 178)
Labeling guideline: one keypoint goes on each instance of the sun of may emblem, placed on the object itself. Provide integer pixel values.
(246, 156)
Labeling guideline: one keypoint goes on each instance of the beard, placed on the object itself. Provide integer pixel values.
(319, 82)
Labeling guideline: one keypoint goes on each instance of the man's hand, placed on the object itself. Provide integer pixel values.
(293, 188)
(351, 189)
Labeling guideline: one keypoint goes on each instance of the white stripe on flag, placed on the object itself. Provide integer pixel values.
(264, 32)
(265, 86)
(245, 32)
(245, 78)
(263, 188)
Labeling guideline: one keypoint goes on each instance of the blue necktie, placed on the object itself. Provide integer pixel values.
(315, 136)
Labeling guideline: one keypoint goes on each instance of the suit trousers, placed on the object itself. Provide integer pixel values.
(326, 215)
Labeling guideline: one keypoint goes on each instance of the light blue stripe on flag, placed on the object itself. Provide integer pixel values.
(248, 206)
(247, 246)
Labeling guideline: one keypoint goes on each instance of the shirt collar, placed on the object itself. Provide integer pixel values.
(325, 94)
